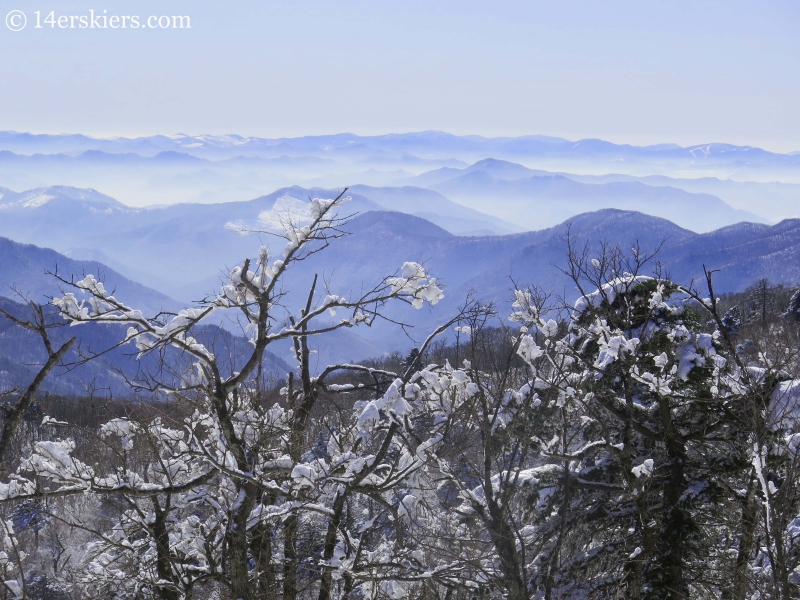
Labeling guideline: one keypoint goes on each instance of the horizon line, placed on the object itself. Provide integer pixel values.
(115, 137)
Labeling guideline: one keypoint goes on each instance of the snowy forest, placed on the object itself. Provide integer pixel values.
(640, 442)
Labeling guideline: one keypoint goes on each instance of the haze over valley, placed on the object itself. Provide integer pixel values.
(164, 218)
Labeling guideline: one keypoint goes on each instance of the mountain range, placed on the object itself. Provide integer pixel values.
(380, 241)
(483, 214)
(741, 253)
(158, 170)
(181, 249)
(425, 144)
(27, 274)
(538, 199)
(773, 201)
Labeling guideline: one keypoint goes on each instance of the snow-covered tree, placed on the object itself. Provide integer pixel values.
(732, 320)
(793, 310)
(636, 483)
(617, 446)
(233, 497)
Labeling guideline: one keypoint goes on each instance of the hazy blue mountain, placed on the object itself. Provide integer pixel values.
(29, 143)
(380, 241)
(170, 177)
(501, 169)
(100, 158)
(743, 253)
(434, 207)
(487, 265)
(161, 170)
(422, 145)
(541, 201)
(171, 247)
(41, 196)
(22, 353)
(773, 200)
(181, 249)
(409, 161)
(165, 158)
(25, 267)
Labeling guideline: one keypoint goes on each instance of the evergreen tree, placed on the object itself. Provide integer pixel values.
(655, 386)
(760, 300)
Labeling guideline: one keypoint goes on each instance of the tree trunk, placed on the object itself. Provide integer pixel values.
(261, 550)
(290, 558)
(562, 530)
(738, 591)
(238, 553)
(506, 545)
(330, 547)
(781, 570)
(633, 573)
(672, 542)
(671, 545)
(163, 563)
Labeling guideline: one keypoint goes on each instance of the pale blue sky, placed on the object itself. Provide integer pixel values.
(628, 71)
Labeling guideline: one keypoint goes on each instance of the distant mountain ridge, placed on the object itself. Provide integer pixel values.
(25, 267)
(773, 200)
(433, 206)
(24, 277)
(538, 198)
(130, 168)
(742, 252)
(756, 184)
(380, 241)
(40, 196)
(422, 143)
(181, 248)
(171, 247)
(478, 211)
(491, 266)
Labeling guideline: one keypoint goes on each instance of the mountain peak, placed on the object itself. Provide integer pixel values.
(387, 222)
(38, 197)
